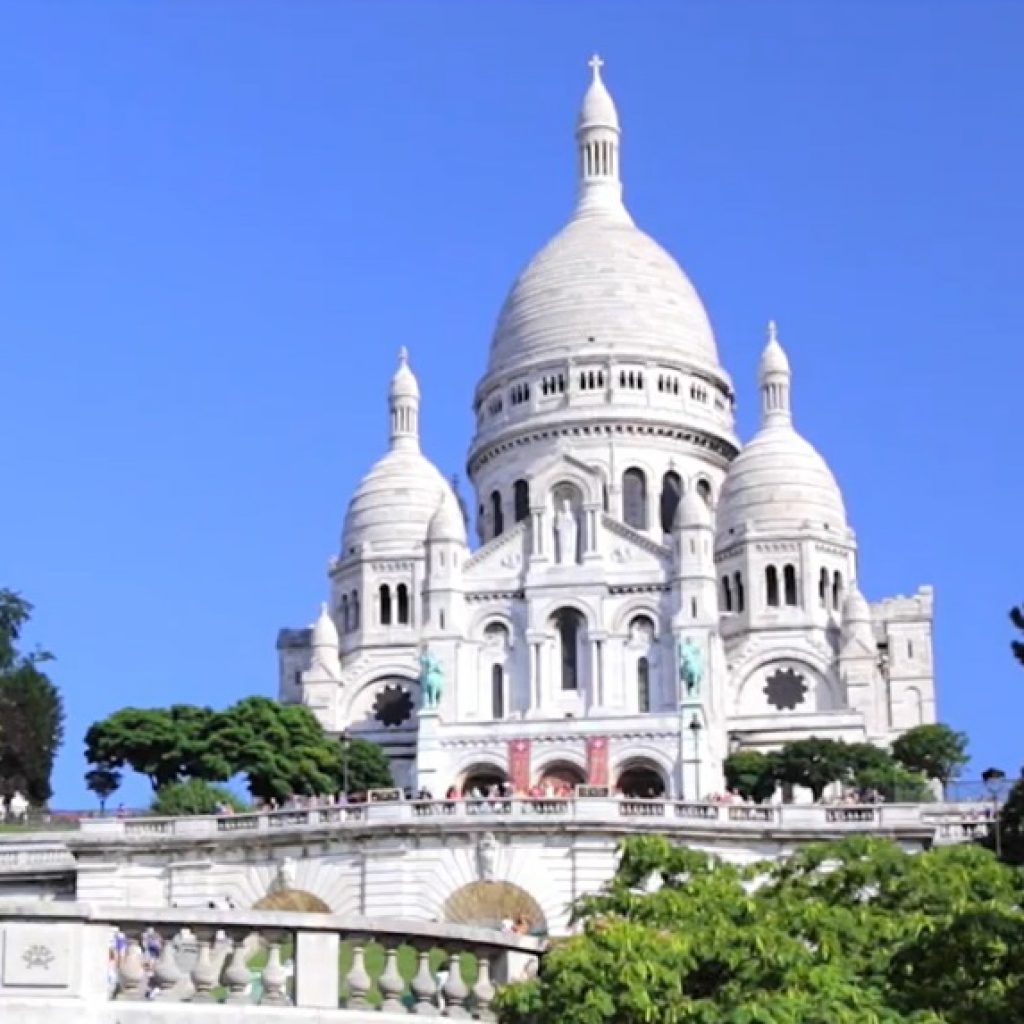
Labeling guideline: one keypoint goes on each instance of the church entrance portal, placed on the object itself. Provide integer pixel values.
(642, 781)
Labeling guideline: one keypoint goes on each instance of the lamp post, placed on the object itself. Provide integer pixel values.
(695, 733)
(992, 777)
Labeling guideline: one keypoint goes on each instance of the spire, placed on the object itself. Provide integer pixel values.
(597, 142)
(404, 403)
(774, 377)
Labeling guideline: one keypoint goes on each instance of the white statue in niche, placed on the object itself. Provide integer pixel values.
(565, 533)
(487, 855)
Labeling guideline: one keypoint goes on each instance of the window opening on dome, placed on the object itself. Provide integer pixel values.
(344, 613)
(671, 493)
(569, 626)
(738, 581)
(823, 588)
(521, 500)
(910, 649)
(837, 590)
(704, 490)
(789, 585)
(385, 605)
(403, 604)
(497, 515)
(497, 692)
(634, 498)
(440, 617)
(771, 585)
(726, 594)
(643, 685)
(693, 607)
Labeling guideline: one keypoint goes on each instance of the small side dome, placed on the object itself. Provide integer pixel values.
(855, 608)
(404, 383)
(447, 523)
(692, 511)
(325, 633)
(598, 108)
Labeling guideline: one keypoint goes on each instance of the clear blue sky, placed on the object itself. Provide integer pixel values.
(219, 221)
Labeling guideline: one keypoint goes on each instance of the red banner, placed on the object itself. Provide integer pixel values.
(597, 761)
(519, 765)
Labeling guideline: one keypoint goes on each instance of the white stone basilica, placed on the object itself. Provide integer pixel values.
(619, 518)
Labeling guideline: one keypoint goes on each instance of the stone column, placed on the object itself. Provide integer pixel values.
(597, 694)
(535, 639)
(537, 528)
(589, 526)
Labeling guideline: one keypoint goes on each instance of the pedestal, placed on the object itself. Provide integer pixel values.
(431, 764)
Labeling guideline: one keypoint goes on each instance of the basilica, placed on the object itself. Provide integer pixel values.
(646, 594)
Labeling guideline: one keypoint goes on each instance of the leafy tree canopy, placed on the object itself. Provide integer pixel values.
(364, 766)
(849, 932)
(31, 709)
(104, 782)
(814, 763)
(1017, 646)
(194, 796)
(750, 774)
(936, 751)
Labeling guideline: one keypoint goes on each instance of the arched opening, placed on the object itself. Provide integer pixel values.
(385, 605)
(823, 588)
(497, 516)
(497, 691)
(634, 498)
(726, 594)
(491, 905)
(562, 776)
(403, 604)
(641, 780)
(569, 625)
(771, 586)
(737, 580)
(704, 490)
(521, 500)
(344, 613)
(789, 585)
(643, 686)
(482, 778)
(671, 492)
(837, 590)
(296, 900)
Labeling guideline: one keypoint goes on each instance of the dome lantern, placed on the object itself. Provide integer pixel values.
(404, 404)
(774, 377)
(597, 140)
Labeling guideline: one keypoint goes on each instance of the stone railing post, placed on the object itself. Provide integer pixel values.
(316, 985)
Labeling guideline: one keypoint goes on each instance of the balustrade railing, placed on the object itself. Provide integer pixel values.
(272, 959)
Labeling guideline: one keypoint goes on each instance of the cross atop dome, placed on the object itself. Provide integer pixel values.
(595, 64)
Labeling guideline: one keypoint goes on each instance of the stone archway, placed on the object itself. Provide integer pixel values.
(641, 779)
(562, 774)
(297, 900)
(495, 905)
(482, 777)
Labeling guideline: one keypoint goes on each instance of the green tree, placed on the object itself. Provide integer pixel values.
(164, 744)
(363, 766)
(31, 709)
(282, 748)
(936, 751)
(850, 932)
(1017, 618)
(104, 782)
(814, 763)
(750, 774)
(1011, 824)
(194, 796)
(894, 783)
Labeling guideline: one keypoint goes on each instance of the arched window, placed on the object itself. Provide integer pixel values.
(385, 605)
(497, 692)
(521, 500)
(634, 498)
(440, 618)
(403, 604)
(344, 613)
(789, 585)
(643, 685)
(704, 490)
(726, 594)
(737, 580)
(569, 625)
(837, 590)
(771, 586)
(497, 516)
(823, 588)
(354, 609)
(671, 491)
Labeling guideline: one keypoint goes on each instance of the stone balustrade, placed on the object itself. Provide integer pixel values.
(75, 960)
(946, 821)
(19, 855)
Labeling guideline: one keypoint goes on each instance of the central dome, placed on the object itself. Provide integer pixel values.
(601, 285)
(602, 281)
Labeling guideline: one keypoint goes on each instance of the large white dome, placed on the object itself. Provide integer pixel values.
(602, 281)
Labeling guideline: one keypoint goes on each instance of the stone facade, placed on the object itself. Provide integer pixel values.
(619, 521)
